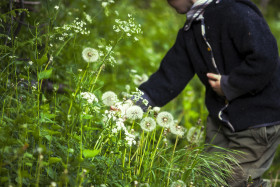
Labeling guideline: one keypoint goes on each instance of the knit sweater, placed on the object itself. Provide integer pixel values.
(246, 55)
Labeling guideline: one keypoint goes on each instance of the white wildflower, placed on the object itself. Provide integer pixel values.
(88, 17)
(124, 106)
(53, 184)
(30, 63)
(90, 54)
(165, 119)
(109, 98)
(130, 138)
(56, 7)
(120, 125)
(148, 124)
(177, 130)
(90, 97)
(110, 115)
(178, 183)
(134, 112)
(128, 26)
(114, 131)
(104, 4)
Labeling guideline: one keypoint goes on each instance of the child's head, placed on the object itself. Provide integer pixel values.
(181, 6)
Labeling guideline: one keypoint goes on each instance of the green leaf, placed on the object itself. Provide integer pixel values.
(44, 59)
(90, 153)
(45, 74)
(53, 160)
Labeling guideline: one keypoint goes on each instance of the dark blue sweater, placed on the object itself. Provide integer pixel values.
(246, 55)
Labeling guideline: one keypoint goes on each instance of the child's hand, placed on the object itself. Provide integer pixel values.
(215, 82)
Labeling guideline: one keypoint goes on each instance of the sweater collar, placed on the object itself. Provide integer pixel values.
(196, 11)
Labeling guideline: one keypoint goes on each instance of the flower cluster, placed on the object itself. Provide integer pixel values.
(128, 27)
(77, 26)
(90, 97)
(137, 96)
(130, 138)
(109, 54)
(88, 17)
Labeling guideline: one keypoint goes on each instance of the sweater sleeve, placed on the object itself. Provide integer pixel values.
(258, 49)
(174, 73)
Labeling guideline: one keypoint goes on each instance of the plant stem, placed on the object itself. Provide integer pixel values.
(143, 155)
(171, 162)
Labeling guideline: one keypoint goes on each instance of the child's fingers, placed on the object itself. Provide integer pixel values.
(212, 82)
(213, 76)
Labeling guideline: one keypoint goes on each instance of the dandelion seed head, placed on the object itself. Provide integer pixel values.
(109, 98)
(177, 130)
(134, 112)
(90, 54)
(148, 124)
(165, 119)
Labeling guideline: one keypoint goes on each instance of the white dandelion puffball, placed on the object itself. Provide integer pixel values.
(134, 112)
(177, 130)
(90, 54)
(109, 98)
(165, 119)
(178, 183)
(148, 124)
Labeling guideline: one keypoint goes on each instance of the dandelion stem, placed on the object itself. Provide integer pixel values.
(155, 150)
(144, 151)
(124, 160)
(171, 161)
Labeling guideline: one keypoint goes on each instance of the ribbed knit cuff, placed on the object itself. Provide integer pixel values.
(141, 104)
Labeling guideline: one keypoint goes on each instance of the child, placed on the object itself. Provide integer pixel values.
(229, 45)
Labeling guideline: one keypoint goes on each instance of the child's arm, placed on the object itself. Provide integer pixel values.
(256, 44)
(174, 73)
